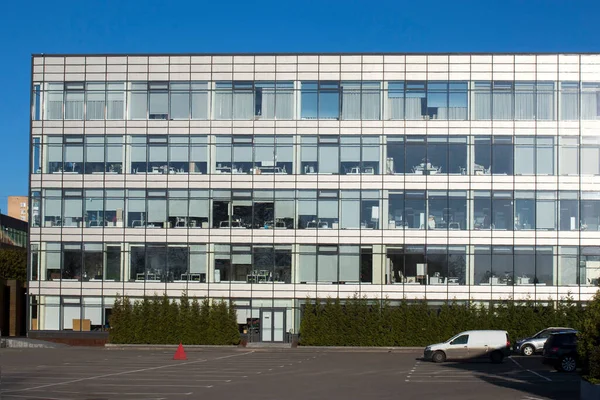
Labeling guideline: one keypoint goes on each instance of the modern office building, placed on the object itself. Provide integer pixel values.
(270, 178)
(18, 207)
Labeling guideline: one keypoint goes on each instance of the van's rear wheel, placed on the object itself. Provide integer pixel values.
(438, 357)
(496, 357)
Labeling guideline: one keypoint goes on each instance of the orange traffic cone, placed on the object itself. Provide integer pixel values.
(180, 353)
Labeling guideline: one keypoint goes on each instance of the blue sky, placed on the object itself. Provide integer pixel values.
(123, 26)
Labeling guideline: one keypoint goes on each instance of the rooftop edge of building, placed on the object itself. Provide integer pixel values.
(311, 53)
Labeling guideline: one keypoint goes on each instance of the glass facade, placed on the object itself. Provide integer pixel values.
(267, 179)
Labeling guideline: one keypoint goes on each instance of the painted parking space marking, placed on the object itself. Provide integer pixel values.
(37, 388)
(533, 372)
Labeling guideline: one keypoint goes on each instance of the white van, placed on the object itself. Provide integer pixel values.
(471, 344)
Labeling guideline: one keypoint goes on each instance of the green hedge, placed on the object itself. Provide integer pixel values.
(361, 322)
(588, 344)
(158, 320)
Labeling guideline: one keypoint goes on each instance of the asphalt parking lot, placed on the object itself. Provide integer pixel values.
(98, 374)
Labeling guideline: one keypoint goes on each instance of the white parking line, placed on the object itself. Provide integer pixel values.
(122, 373)
(528, 370)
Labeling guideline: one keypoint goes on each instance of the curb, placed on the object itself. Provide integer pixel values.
(111, 346)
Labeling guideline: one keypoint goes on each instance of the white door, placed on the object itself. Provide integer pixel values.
(266, 325)
(272, 325)
(278, 325)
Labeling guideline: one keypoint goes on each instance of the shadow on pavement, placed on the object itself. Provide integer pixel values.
(529, 377)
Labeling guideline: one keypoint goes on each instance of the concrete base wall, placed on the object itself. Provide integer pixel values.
(71, 338)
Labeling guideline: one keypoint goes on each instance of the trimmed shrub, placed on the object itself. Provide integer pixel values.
(361, 322)
(160, 320)
(588, 343)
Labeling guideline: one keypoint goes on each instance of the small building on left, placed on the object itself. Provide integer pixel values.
(13, 275)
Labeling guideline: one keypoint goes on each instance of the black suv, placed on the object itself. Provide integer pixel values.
(560, 351)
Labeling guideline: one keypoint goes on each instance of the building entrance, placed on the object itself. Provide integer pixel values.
(272, 325)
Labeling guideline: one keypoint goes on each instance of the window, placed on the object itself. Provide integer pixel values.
(396, 100)
(157, 154)
(502, 155)
(590, 155)
(95, 101)
(199, 208)
(416, 155)
(36, 107)
(415, 103)
(457, 101)
(569, 101)
(179, 100)
(54, 154)
(284, 209)
(72, 206)
(568, 265)
(138, 100)
(394, 163)
(415, 210)
(73, 147)
(525, 100)
(114, 204)
(369, 209)
(524, 155)
(72, 261)
(94, 154)
(590, 104)
(360, 100)
(502, 211)
(114, 155)
(274, 100)
(482, 210)
(307, 209)
(545, 264)
(157, 209)
(589, 266)
(320, 155)
(320, 100)
(93, 261)
(463, 339)
(157, 261)
(136, 208)
(115, 101)
(242, 156)
(482, 101)
(483, 155)
(569, 155)
(545, 101)
(590, 211)
(159, 100)
(179, 147)
(198, 155)
(502, 100)
(327, 209)
(457, 155)
(568, 211)
(93, 208)
(74, 96)
(234, 100)
(546, 215)
(54, 101)
(36, 155)
(525, 210)
(545, 160)
(52, 208)
(200, 100)
(524, 265)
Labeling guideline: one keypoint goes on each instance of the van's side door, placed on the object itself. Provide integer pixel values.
(458, 348)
